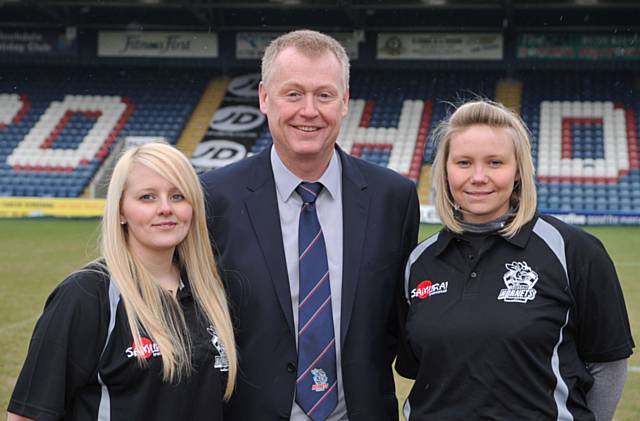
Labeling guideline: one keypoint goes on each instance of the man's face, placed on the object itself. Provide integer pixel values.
(305, 100)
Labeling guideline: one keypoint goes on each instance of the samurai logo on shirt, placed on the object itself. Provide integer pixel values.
(221, 362)
(427, 288)
(149, 349)
(520, 280)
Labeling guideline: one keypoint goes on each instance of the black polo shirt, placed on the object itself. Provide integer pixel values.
(82, 365)
(504, 333)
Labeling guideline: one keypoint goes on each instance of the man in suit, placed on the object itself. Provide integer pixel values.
(368, 217)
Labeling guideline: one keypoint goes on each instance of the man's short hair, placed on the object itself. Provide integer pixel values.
(310, 43)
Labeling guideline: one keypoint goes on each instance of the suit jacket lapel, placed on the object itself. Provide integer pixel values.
(262, 206)
(355, 205)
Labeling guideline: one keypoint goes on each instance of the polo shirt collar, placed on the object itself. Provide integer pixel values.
(184, 290)
(286, 181)
(445, 237)
(522, 237)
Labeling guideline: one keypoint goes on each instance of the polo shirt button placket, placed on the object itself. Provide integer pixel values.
(470, 285)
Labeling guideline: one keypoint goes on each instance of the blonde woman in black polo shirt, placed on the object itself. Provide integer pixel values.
(513, 315)
(144, 332)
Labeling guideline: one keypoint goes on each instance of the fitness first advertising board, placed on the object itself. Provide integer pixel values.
(157, 44)
(234, 128)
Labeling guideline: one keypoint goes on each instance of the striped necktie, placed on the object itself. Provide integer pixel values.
(316, 385)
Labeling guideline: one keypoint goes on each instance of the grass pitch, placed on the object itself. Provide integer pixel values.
(36, 255)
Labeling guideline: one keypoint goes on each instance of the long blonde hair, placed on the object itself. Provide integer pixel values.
(149, 308)
(492, 114)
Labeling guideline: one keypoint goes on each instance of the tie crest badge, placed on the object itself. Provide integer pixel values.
(320, 379)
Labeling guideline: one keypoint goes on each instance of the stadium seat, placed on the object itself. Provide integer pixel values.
(75, 115)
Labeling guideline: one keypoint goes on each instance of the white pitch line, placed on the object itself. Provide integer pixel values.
(17, 325)
(634, 368)
(632, 264)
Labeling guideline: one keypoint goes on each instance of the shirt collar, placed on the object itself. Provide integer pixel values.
(444, 238)
(522, 236)
(184, 290)
(286, 181)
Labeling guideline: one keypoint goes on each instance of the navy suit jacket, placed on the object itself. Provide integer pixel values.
(380, 224)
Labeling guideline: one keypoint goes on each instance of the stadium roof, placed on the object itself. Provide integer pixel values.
(322, 14)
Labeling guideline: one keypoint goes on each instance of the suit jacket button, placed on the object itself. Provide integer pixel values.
(291, 368)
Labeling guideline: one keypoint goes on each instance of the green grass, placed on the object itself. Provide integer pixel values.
(37, 254)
